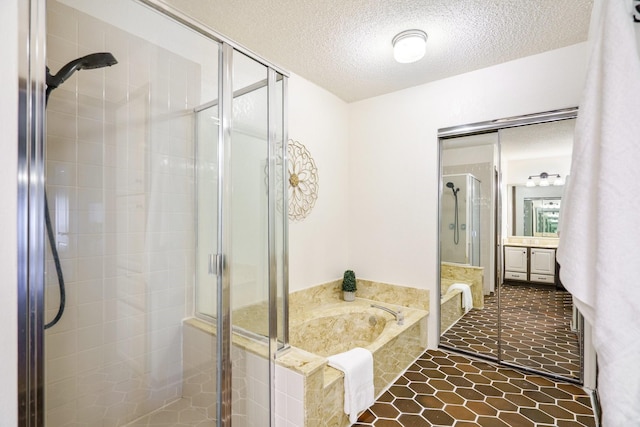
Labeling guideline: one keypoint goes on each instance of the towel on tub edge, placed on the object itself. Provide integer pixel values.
(357, 365)
(467, 298)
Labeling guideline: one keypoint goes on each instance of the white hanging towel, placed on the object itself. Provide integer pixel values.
(598, 252)
(357, 365)
(467, 298)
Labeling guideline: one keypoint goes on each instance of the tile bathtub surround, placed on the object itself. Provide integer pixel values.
(451, 273)
(444, 389)
(405, 296)
(393, 350)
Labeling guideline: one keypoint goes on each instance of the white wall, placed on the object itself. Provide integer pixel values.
(393, 152)
(8, 187)
(318, 245)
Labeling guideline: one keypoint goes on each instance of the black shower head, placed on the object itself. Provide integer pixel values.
(88, 62)
(450, 185)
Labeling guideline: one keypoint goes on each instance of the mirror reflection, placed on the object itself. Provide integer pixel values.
(498, 240)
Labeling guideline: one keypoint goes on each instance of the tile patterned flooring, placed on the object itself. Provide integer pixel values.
(443, 389)
(536, 330)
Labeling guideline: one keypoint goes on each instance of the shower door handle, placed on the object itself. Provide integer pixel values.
(215, 264)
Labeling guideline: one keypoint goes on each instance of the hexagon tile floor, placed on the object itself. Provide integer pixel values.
(444, 389)
(536, 330)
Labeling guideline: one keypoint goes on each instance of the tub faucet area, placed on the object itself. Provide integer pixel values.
(399, 315)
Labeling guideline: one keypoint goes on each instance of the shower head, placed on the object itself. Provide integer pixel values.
(452, 187)
(88, 62)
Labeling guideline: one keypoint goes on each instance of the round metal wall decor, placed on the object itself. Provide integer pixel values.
(303, 181)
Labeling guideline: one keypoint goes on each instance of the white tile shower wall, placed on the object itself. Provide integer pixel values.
(120, 191)
(484, 172)
(289, 389)
(250, 397)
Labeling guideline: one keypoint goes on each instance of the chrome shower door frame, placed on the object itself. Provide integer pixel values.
(31, 229)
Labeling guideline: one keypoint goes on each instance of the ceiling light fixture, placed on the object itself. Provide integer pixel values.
(544, 180)
(409, 46)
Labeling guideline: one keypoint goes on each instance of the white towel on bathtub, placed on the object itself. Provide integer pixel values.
(357, 365)
(467, 298)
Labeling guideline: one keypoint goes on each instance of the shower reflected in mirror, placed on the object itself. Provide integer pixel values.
(498, 239)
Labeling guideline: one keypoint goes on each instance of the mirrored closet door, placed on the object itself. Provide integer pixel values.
(502, 184)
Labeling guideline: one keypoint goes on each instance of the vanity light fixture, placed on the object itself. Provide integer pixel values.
(409, 46)
(544, 180)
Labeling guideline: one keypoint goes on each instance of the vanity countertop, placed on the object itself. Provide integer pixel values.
(546, 243)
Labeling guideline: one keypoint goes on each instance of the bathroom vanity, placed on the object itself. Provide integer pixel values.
(530, 262)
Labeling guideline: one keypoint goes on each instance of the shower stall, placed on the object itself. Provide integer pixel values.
(460, 233)
(155, 268)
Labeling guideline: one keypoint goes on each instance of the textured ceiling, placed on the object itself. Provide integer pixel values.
(345, 47)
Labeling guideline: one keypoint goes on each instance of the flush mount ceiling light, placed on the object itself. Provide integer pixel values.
(409, 46)
(544, 180)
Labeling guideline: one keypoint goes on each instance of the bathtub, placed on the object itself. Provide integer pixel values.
(339, 326)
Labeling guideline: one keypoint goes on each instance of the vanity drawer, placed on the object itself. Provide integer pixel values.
(542, 278)
(514, 275)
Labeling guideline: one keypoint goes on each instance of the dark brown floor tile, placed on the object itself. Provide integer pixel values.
(402, 381)
(556, 411)
(515, 420)
(421, 388)
(414, 368)
(488, 390)
(536, 415)
(523, 384)
(427, 364)
(437, 416)
(411, 420)
(441, 384)
(501, 404)
(585, 400)
(492, 422)
(477, 378)
(449, 397)
(387, 423)
(432, 373)
(400, 391)
(481, 408)
(414, 376)
(367, 417)
(540, 381)
(386, 397)
(575, 407)
(430, 402)
(408, 406)
(520, 400)
(495, 376)
(460, 382)
(510, 373)
(588, 421)
(470, 394)
(451, 371)
(466, 424)
(556, 393)
(567, 423)
(506, 387)
(539, 396)
(444, 361)
(459, 412)
(572, 389)
(469, 368)
(384, 410)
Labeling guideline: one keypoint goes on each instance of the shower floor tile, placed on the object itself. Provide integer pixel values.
(464, 392)
(536, 330)
(180, 413)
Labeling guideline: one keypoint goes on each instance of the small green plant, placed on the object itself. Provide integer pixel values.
(349, 281)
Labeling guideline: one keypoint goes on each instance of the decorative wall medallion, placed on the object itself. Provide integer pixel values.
(303, 181)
